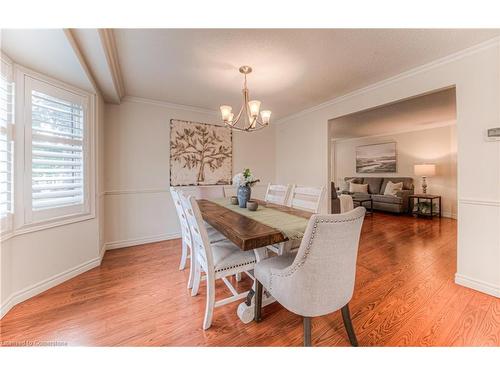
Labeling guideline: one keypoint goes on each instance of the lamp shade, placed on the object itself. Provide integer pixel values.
(265, 115)
(425, 170)
(254, 107)
(225, 111)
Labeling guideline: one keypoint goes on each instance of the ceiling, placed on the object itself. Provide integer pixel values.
(89, 42)
(422, 112)
(294, 69)
(47, 51)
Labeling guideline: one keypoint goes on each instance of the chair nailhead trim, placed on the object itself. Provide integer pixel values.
(239, 265)
(301, 262)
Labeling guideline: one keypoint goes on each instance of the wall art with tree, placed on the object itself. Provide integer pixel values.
(200, 154)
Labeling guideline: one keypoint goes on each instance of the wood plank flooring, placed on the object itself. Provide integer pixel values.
(404, 296)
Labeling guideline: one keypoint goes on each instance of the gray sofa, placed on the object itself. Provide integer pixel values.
(376, 187)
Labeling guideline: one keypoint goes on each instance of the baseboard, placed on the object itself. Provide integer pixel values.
(46, 284)
(102, 251)
(50, 282)
(5, 308)
(141, 240)
(478, 285)
(449, 215)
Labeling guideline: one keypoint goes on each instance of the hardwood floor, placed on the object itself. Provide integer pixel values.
(404, 296)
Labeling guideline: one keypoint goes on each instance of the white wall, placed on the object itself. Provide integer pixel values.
(437, 146)
(303, 149)
(36, 261)
(5, 276)
(137, 199)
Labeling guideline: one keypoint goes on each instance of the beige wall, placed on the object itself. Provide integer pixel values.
(36, 261)
(137, 199)
(476, 75)
(437, 146)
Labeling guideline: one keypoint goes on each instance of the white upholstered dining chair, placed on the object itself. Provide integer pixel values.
(306, 198)
(277, 194)
(217, 260)
(213, 234)
(320, 278)
(346, 203)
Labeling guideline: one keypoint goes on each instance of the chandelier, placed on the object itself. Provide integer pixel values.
(248, 113)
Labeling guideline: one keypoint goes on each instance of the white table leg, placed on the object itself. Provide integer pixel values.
(246, 312)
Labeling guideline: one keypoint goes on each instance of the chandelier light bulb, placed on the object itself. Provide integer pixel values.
(226, 112)
(265, 116)
(254, 107)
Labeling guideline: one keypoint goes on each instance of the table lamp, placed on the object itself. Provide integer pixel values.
(424, 171)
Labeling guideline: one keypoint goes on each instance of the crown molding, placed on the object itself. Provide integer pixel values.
(409, 73)
(161, 103)
(108, 44)
(6, 58)
(81, 58)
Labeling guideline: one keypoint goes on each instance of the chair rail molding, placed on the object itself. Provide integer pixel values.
(137, 191)
(480, 202)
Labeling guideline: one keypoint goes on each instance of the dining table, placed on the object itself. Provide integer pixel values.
(270, 224)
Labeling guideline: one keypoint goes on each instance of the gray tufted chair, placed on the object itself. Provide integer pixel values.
(320, 278)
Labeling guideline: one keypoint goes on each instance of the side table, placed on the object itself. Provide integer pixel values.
(427, 197)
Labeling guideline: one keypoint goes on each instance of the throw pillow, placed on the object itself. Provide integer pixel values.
(358, 188)
(392, 188)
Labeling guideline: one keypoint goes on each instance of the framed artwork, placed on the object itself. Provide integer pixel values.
(200, 154)
(377, 158)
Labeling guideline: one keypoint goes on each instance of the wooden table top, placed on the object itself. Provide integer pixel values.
(244, 232)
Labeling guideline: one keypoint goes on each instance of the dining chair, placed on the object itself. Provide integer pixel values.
(277, 194)
(302, 198)
(346, 203)
(185, 234)
(213, 234)
(320, 278)
(306, 198)
(218, 260)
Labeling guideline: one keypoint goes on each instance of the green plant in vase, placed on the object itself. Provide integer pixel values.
(425, 208)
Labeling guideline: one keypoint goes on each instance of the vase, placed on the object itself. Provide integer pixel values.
(244, 193)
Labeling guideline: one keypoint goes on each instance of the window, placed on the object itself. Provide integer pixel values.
(56, 183)
(47, 158)
(6, 146)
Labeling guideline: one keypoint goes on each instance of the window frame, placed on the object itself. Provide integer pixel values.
(7, 222)
(26, 220)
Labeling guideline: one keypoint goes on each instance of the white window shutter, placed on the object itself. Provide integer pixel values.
(6, 145)
(57, 136)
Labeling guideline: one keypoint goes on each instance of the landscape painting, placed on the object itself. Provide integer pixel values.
(200, 154)
(378, 158)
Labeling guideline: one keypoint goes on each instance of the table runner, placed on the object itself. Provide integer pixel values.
(292, 227)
